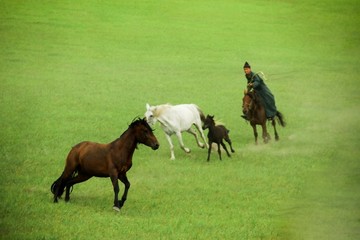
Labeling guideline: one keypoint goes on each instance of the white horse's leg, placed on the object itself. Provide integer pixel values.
(168, 137)
(178, 134)
(200, 144)
(199, 128)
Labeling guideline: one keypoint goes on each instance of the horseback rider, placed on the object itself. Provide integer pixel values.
(256, 83)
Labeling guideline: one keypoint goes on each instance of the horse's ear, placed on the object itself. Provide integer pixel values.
(147, 106)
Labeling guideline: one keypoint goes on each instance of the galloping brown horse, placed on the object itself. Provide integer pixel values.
(255, 113)
(88, 159)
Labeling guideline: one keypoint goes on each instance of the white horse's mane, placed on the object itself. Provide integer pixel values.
(159, 109)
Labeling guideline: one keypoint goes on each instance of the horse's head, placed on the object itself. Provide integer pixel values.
(247, 102)
(144, 133)
(149, 114)
(208, 122)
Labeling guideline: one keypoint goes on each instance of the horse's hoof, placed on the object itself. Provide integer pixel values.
(116, 208)
(187, 150)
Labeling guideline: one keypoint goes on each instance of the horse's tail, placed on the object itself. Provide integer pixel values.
(280, 119)
(202, 115)
(57, 188)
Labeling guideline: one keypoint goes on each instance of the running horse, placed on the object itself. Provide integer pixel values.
(88, 159)
(175, 119)
(255, 112)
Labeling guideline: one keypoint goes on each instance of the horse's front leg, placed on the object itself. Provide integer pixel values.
(219, 150)
(168, 137)
(178, 134)
(126, 182)
(265, 134)
(209, 151)
(114, 181)
(255, 133)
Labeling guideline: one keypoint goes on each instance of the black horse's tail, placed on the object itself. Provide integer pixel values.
(57, 188)
(280, 119)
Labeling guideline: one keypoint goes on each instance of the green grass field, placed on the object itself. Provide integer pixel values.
(73, 71)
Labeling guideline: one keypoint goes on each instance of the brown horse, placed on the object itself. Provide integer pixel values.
(216, 135)
(254, 110)
(88, 159)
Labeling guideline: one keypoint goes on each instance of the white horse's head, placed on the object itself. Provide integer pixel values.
(149, 114)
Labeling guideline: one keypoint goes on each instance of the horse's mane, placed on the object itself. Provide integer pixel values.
(138, 121)
(159, 109)
(254, 97)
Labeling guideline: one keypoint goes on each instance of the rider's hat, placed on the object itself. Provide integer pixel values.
(247, 65)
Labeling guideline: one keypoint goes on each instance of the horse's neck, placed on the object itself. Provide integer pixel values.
(212, 127)
(126, 144)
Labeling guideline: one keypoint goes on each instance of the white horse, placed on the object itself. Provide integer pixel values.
(177, 119)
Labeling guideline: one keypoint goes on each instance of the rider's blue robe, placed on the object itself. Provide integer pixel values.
(264, 92)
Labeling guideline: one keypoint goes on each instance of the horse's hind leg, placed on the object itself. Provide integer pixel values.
(265, 134)
(274, 125)
(78, 179)
(227, 139)
(199, 128)
(224, 146)
(200, 144)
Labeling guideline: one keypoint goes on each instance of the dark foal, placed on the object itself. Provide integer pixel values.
(88, 159)
(216, 135)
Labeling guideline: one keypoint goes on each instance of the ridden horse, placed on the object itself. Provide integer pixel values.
(175, 119)
(254, 110)
(88, 159)
(216, 134)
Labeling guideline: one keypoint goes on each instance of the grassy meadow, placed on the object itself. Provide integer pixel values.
(83, 70)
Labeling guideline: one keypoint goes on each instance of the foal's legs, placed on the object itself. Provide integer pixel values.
(78, 179)
(209, 150)
(126, 182)
(227, 139)
(224, 146)
(219, 151)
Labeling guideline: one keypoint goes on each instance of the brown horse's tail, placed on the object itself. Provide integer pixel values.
(70, 171)
(280, 119)
(57, 188)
